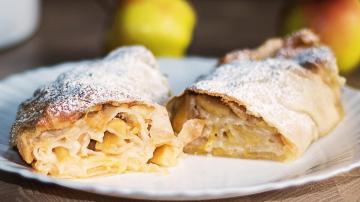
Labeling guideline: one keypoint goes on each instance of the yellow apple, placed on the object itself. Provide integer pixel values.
(163, 26)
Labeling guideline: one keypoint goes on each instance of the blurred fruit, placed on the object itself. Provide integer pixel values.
(163, 26)
(336, 21)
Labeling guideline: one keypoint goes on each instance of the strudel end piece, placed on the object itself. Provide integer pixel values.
(267, 103)
(101, 117)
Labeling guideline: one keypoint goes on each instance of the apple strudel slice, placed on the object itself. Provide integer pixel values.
(99, 118)
(268, 103)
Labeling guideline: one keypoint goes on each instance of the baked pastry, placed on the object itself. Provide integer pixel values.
(268, 103)
(101, 117)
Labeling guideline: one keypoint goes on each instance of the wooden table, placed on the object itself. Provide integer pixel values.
(73, 30)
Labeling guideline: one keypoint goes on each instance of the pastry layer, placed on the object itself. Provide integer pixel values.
(229, 130)
(108, 139)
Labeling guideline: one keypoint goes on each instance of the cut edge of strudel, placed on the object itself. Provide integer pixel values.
(268, 103)
(99, 118)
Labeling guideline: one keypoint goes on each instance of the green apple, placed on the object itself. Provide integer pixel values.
(163, 26)
(337, 22)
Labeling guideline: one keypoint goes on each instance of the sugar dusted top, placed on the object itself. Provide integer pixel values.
(294, 87)
(126, 74)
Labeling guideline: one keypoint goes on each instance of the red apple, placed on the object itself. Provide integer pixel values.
(338, 24)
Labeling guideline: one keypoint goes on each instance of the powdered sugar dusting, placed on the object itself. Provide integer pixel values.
(126, 74)
(241, 77)
(244, 72)
(279, 89)
(314, 55)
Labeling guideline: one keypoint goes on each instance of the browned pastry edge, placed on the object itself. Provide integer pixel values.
(272, 47)
(288, 47)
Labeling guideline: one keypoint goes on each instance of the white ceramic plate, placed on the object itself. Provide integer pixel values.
(196, 177)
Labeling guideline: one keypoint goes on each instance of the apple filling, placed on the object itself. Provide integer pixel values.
(106, 140)
(229, 130)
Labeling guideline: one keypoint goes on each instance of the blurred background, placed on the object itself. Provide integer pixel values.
(43, 32)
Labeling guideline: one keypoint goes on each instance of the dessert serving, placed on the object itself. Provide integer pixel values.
(268, 103)
(101, 117)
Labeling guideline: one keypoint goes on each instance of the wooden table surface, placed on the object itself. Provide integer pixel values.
(73, 30)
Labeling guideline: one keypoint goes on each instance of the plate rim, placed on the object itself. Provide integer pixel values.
(211, 193)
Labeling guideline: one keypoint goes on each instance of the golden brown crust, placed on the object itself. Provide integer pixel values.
(275, 47)
(268, 49)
